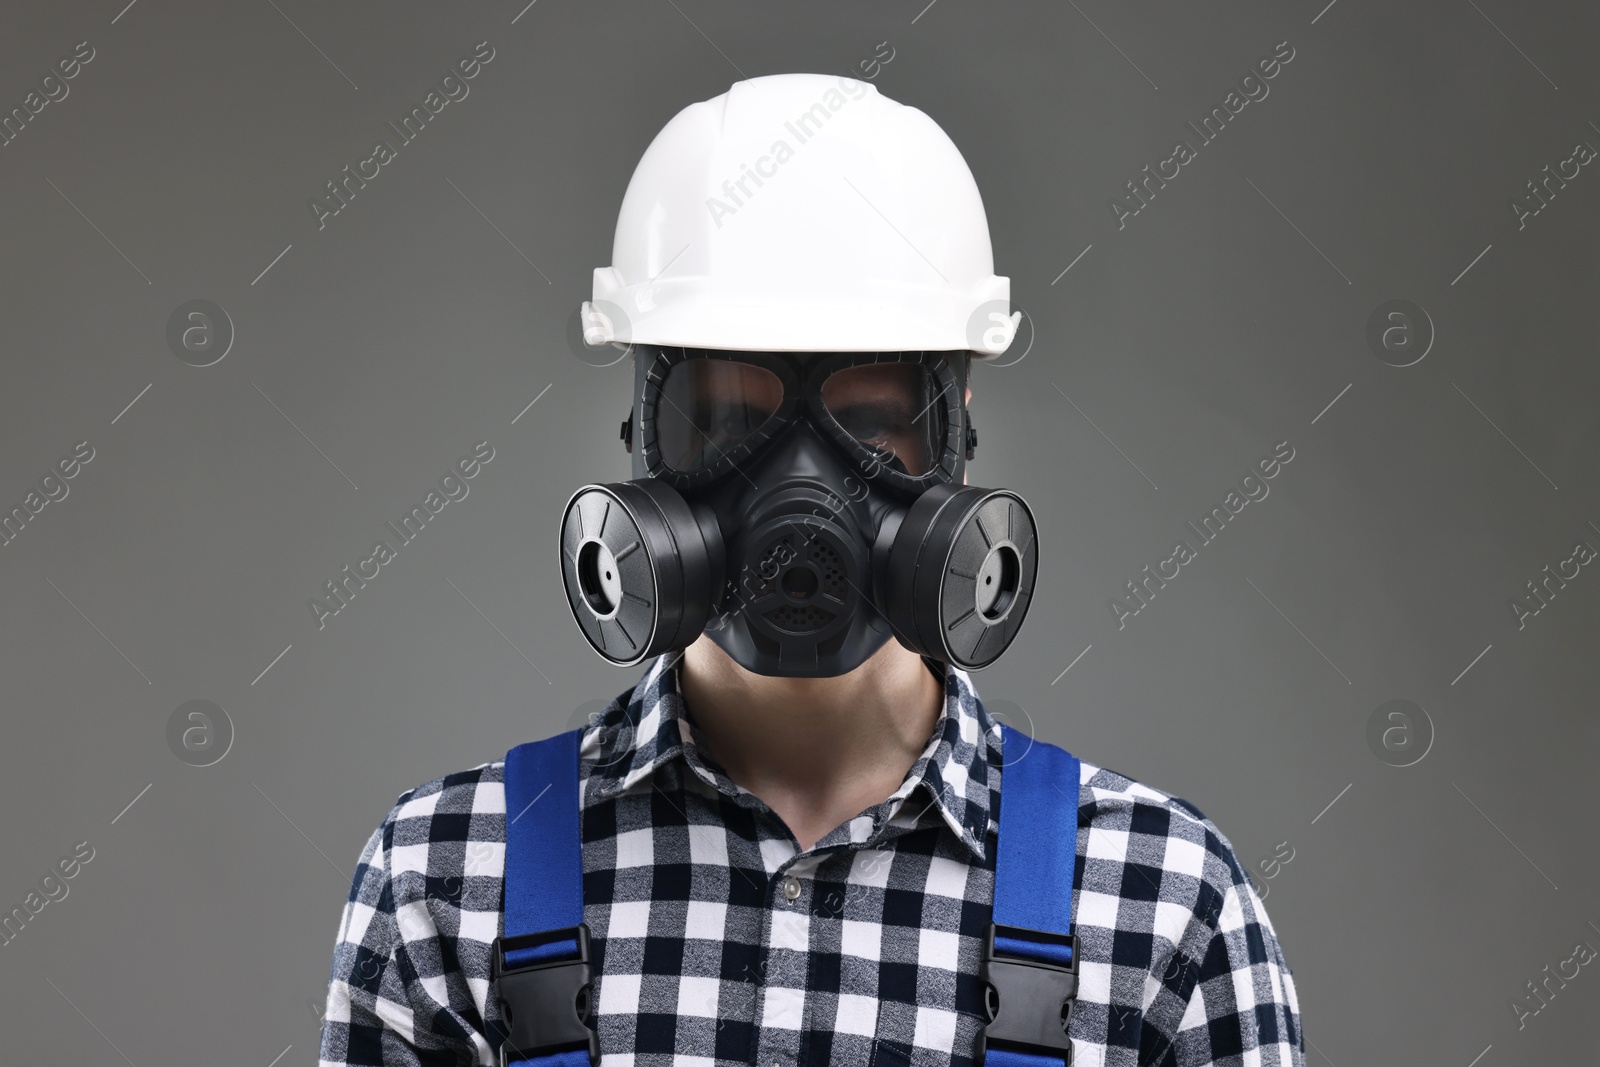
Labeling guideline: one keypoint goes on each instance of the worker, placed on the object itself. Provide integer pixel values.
(801, 838)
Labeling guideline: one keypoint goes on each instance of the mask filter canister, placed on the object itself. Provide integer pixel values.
(956, 574)
(642, 568)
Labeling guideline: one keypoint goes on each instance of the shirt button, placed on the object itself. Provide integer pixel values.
(791, 888)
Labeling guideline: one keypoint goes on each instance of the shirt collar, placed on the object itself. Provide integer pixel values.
(645, 728)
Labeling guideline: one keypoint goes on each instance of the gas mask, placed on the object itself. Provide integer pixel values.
(800, 508)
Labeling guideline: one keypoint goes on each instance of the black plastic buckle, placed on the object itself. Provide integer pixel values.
(1027, 1001)
(547, 1005)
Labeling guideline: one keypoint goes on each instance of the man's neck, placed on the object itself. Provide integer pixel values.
(817, 751)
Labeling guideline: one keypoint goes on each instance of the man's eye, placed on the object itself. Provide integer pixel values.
(863, 423)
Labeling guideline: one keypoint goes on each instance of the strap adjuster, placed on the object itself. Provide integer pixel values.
(1027, 999)
(547, 1004)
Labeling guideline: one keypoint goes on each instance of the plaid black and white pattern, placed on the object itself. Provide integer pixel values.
(717, 942)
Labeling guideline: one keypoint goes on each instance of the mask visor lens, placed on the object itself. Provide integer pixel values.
(710, 406)
(896, 410)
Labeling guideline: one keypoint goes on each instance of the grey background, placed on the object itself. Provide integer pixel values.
(1224, 318)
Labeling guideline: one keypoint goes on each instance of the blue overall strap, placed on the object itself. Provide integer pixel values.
(543, 888)
(1034, 862)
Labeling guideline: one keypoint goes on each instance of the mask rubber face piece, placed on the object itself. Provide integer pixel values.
(800, 510)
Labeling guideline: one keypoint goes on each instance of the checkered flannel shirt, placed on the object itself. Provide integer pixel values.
(717, 941)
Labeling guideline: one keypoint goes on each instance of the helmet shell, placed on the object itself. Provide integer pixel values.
(802, 213)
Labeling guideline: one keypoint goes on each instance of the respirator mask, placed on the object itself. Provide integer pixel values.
(800, 508)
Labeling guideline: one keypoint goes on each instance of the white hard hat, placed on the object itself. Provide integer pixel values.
(802, 213)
